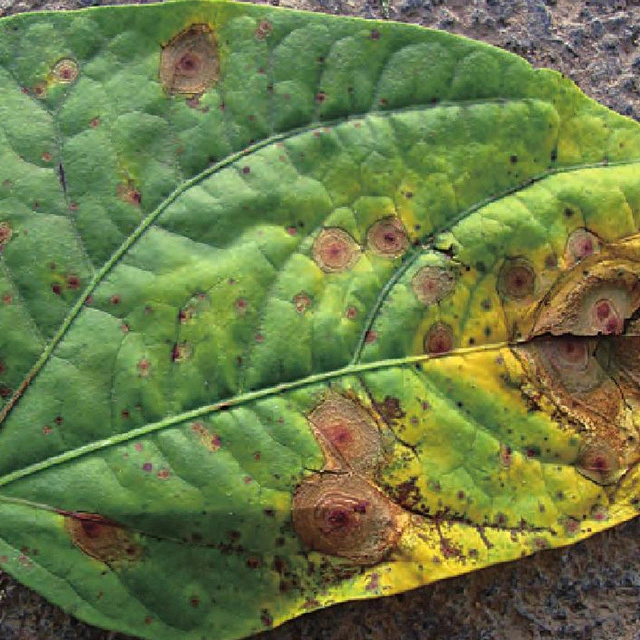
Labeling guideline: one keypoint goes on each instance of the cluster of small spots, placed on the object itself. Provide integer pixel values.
(263, 30)
(432, 284)
(334, 250)
(65, 71)
(189, 63)
(439, 339)
(211, 441)
(517, 279)
(388, 237)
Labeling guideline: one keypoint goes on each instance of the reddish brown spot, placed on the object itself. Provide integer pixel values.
(40, 90)
(194, 601)
(56, 287)
(7, 298)
(517, 279)
(46, 157)
(321, 97)
(606, 318)
(388, 237)
(375, 34)
(189, 63)
(598, 462)
(95, 122)
(65, 71)
(163, 474)
(343, 515)
(292, 231)
(334, 250)
(46, 430)
(58, 420)
(128, 193)
(266, 618)
(5, 391)
(348, 433)
(571, 526)
(5, 234)
(351, 313)
(432, 284)
(505, 455)
(439, 339)
(147, 466)
(370, 337)
(302, 302)
(181, 352)
(259, 337)
(144, 368)
(73, 282)
(246, 170)
(114, 299)
(263, 30)
(102, 539)
(241, 306)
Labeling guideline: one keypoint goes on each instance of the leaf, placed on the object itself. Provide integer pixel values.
(299, 309)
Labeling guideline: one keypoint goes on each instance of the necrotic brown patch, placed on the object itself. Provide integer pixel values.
(388, 237)
(65, 71)
(190, 63)
(102, 539)
(5, 233)
(343, 515)
(580, 245)
(517, 279)
(598, 462)
(347, 432)
(334, 250)
(432, 284)
(439, 339)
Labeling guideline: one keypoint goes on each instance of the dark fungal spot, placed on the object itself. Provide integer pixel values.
(334, 250)
(388, 238)
(343, 515)
(516, 279)
(189, 62)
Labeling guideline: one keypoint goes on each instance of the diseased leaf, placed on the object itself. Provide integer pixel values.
(298, 309)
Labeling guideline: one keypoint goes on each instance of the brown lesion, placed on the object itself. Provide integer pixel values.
(339, 510)
(189, 62)
(344, 515)
(102, 539)
(582, 352)
(348, 434)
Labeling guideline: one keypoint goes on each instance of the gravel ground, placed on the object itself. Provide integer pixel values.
(590, 591)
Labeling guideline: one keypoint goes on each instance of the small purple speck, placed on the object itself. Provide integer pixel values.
(147, 466)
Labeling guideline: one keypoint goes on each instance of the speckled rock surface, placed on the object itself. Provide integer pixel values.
(590, 591)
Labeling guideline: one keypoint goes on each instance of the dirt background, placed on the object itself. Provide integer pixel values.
(590, 591)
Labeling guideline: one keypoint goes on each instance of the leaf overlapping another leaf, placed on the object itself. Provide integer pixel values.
(278, 312)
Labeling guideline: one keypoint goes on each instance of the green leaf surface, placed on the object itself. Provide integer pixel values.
(299, 309)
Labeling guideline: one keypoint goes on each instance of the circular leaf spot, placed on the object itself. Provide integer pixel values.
(598, 462)
(65, 71)
(581, 244)
(334, 250)
(343, 515)
(347, 430)
(517, 279)
(439, 339)
(568, 352)
(432, 284)
(189, 63)
(388, 238)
